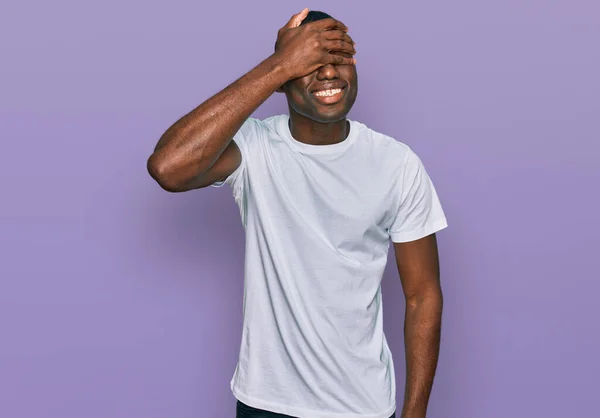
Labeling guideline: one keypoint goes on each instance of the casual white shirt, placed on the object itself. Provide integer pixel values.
(318, 222)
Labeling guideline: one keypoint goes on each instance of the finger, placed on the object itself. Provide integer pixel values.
(338, 35)
(340, 46)
(339, 60)
(297, 19)
(329, 24)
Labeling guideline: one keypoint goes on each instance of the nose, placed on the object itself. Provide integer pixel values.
(327, 72)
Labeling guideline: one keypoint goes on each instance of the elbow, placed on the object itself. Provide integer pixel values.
(429, 295)
(162, 171)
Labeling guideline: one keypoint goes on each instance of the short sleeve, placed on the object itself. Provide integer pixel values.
(418, 212)
(243, 139)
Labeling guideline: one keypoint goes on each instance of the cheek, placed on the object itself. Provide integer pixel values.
(297, 95)
(297, 98)
(350, 75)
(299, 84)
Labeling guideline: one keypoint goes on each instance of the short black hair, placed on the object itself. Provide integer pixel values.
(313, 16)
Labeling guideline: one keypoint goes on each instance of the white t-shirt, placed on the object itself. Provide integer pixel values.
(318, 221)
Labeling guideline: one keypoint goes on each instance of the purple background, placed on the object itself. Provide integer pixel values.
(118, 299)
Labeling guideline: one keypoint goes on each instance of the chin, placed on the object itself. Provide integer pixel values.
(327, 115)
(329, 118)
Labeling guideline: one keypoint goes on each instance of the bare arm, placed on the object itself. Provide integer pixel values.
(191, 146)
(418, 266)
(197, 150)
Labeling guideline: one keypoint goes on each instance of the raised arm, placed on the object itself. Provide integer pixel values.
(418, 267)
(197, 150)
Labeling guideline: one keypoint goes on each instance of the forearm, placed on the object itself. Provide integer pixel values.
(422, 340)
(193, 143)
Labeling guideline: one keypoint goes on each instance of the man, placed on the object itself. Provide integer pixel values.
(320, 196)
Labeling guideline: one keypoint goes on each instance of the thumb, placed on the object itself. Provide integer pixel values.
(297, 19)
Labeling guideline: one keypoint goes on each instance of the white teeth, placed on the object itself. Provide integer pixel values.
(325, 93)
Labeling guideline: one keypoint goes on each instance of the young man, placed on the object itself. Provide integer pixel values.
(320, 197)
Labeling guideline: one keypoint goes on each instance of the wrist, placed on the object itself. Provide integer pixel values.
(277, 66)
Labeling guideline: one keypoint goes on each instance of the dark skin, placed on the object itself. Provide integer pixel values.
(198, 150)
(312, 121)
(419, 270)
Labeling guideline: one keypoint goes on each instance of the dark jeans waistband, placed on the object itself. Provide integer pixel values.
(246, 411)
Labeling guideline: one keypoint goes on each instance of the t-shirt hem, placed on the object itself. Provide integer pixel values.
(231, 176)
(218, 184)
(419, 233)
(300, 412)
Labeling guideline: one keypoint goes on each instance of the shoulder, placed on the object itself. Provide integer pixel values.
(271, 124)
(254, 130)
(385, 147)
(256, 125)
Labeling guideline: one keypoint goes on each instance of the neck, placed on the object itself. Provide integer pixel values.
(311, 132)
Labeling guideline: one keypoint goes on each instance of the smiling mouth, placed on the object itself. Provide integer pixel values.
(330, 96)
(327, 93)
